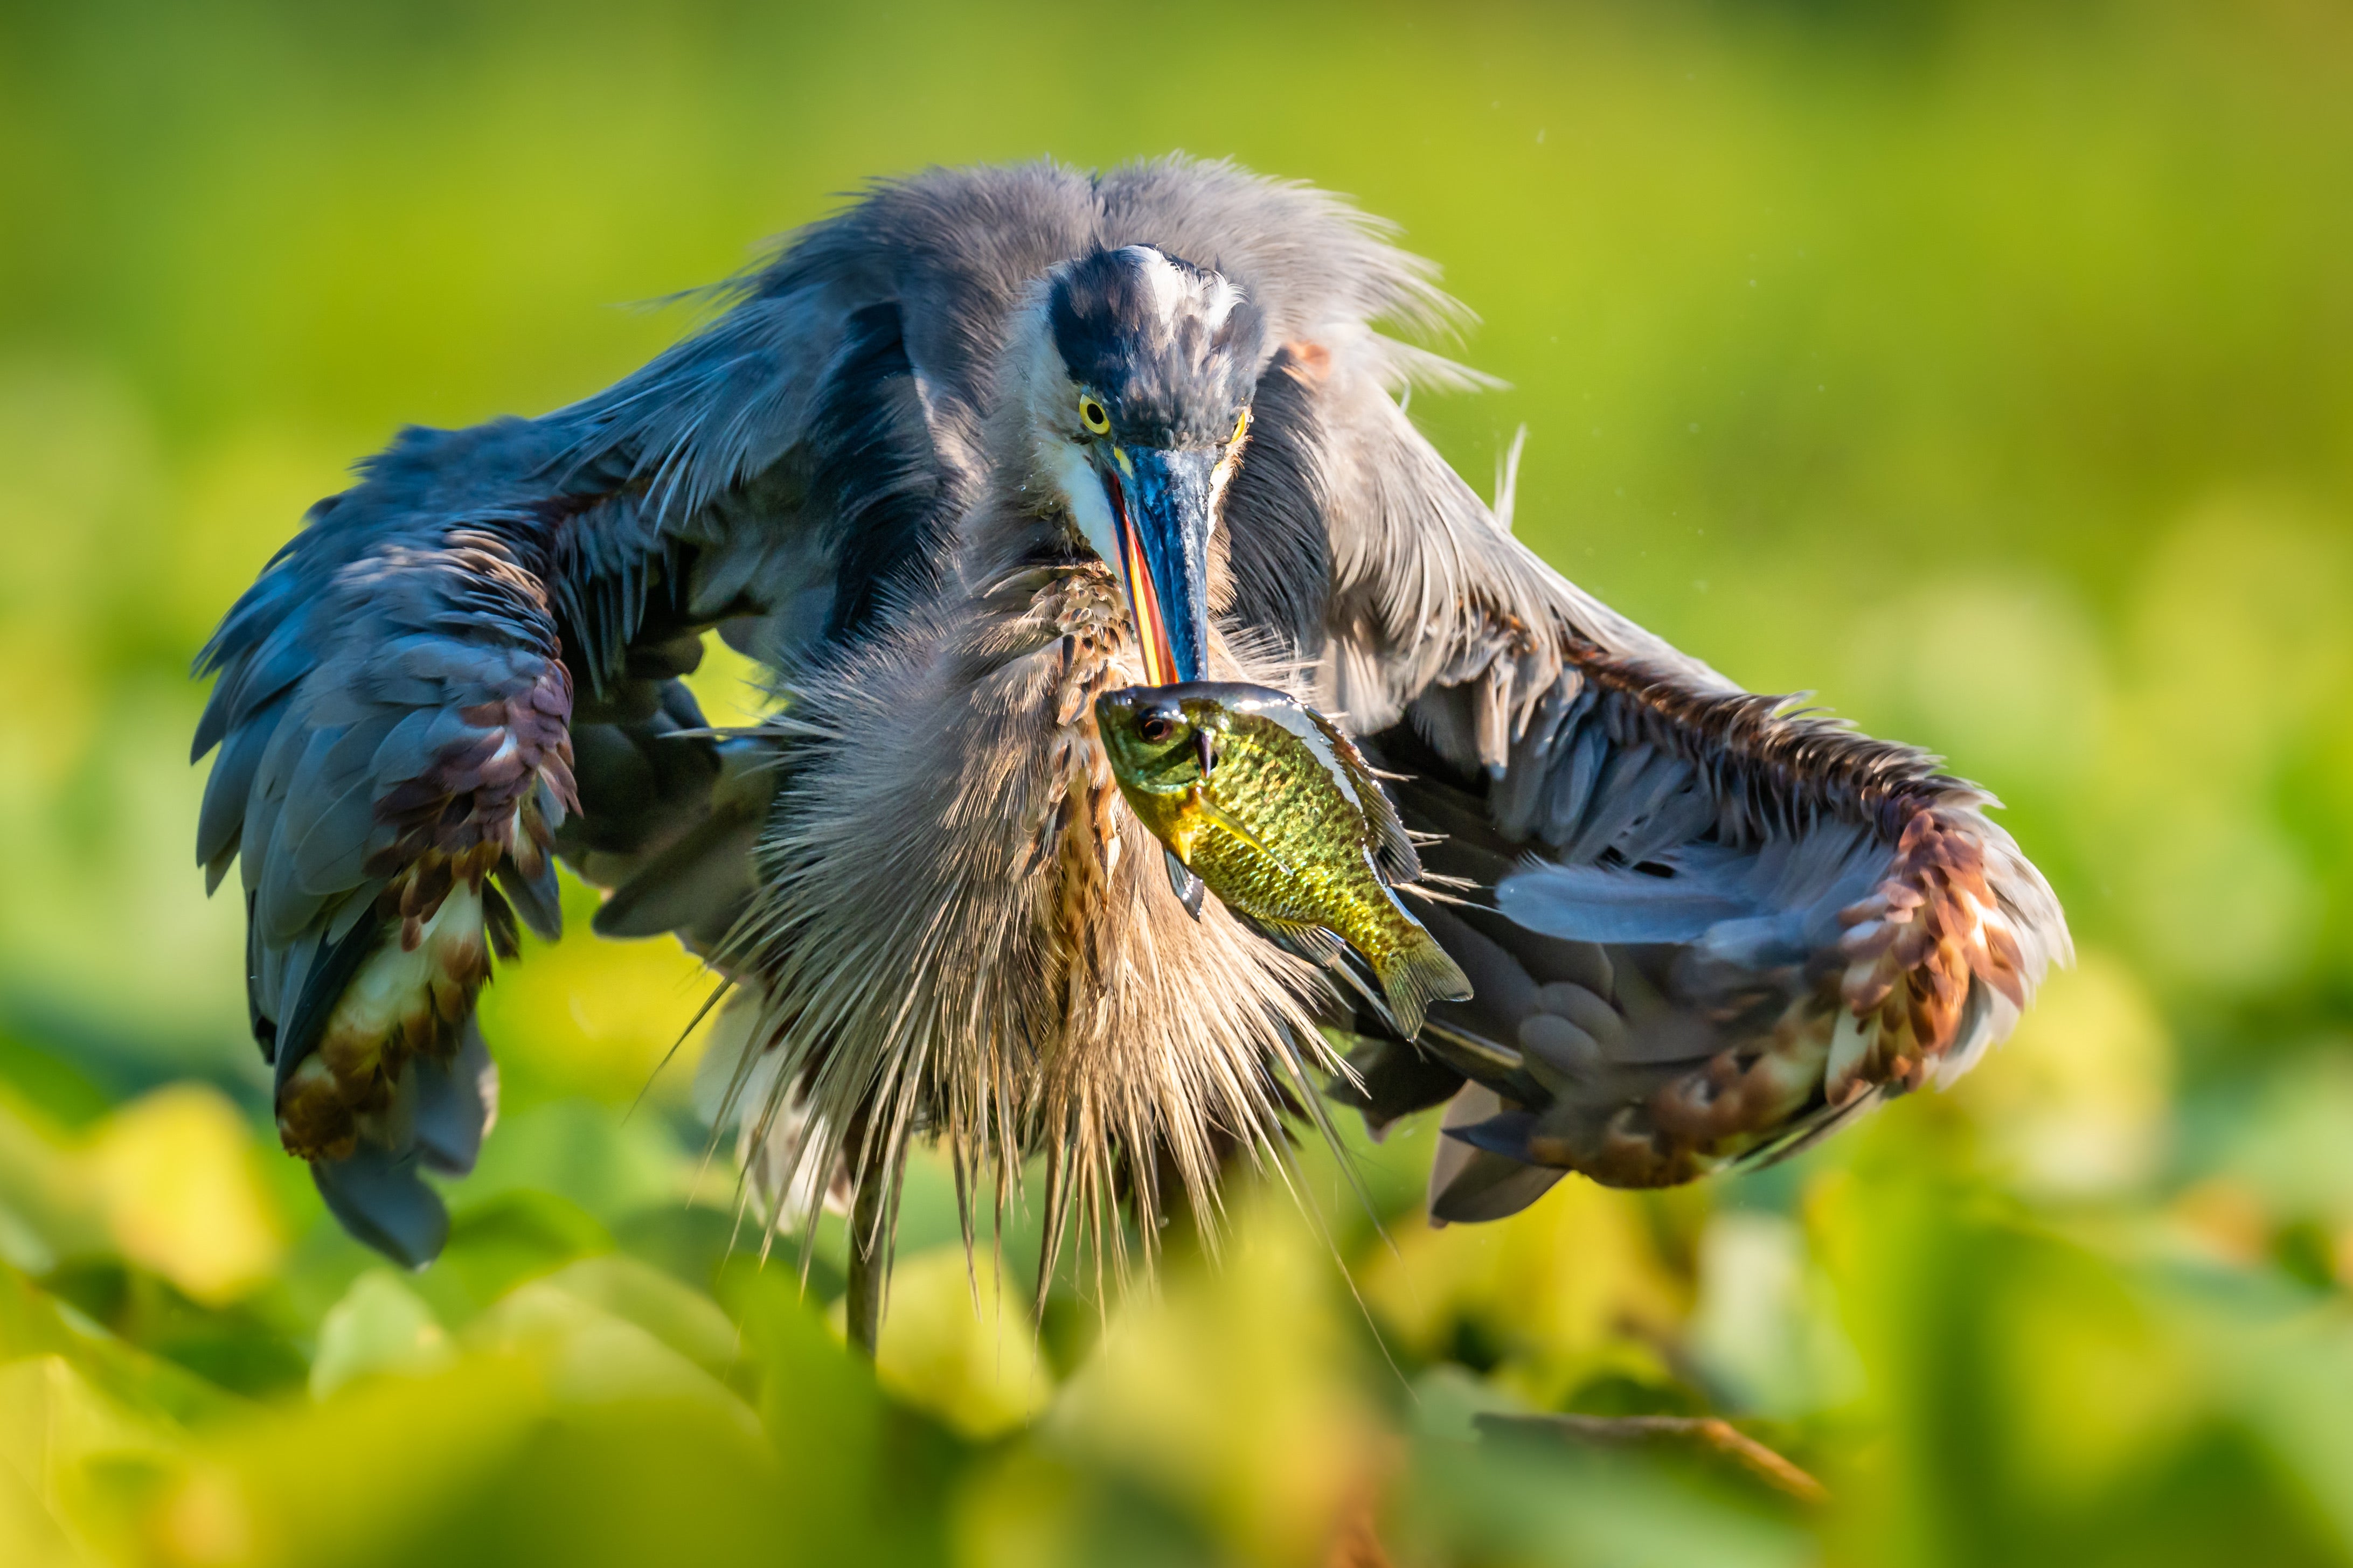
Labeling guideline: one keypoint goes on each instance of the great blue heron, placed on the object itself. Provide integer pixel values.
(954, 461)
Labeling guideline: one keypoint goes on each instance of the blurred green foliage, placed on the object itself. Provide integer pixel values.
(1987, 367)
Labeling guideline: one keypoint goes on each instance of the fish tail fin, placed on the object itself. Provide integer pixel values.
(1420, 973)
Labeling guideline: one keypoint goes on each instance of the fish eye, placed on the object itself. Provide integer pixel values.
(1157, 728)
(1091, 415)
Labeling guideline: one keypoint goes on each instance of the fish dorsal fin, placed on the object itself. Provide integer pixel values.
(1393, 852)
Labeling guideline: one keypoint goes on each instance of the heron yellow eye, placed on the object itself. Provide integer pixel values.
(1091, 415)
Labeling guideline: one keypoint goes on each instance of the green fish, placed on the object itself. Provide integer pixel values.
(1280, 813)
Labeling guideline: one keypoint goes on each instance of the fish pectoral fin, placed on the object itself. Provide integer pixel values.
(1227, 820)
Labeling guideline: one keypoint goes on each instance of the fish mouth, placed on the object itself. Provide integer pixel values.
(1163, 504)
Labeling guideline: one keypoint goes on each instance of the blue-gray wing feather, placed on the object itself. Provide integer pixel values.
(1637, 839)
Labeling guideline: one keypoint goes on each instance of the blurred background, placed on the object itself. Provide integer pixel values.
(1986, 368)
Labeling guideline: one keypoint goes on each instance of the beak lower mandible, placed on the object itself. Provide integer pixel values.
(1165, 505)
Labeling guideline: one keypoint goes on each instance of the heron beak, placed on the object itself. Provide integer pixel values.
(1163, 503)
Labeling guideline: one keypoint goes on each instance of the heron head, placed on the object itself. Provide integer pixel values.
(1140, 405)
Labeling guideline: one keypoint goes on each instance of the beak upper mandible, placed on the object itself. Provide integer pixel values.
(1163, 502)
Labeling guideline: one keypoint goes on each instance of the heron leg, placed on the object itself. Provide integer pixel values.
(870, 1255)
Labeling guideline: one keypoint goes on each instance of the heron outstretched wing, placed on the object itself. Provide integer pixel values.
(1704, 925)
(413, 705)
(470, 658)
